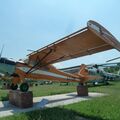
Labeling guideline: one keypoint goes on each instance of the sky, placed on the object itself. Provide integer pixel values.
(33, 24)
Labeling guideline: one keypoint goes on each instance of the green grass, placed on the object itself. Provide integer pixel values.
(43, 90)
(102, 108)
(45, 114)
(3, 95)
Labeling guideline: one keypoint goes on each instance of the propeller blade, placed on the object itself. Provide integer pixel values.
(1, 51)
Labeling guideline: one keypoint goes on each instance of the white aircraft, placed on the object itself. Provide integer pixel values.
(97, 70)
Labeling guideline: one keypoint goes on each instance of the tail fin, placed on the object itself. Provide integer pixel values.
(84, 74)
(83, 70)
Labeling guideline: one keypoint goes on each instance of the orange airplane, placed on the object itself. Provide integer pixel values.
(38, 66)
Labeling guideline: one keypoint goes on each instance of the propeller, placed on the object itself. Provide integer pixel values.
(1, 51)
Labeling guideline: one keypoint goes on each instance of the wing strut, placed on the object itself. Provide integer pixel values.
(46, 64)
(38, 63)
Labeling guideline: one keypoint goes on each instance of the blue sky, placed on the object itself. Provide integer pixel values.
(32, 24)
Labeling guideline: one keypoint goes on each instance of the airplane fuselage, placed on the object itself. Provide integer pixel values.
(7, 67)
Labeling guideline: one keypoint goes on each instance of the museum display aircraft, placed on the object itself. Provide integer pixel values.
(117, 64)
(38, 65)
(97, 70)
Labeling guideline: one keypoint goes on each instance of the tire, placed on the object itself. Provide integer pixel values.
(24, 87)
(14, 87)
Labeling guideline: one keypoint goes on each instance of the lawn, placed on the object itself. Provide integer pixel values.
(3, 95)
(44, 90)
(104, 108)
(53, 89)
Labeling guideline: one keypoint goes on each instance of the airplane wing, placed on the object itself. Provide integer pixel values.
(92, 39)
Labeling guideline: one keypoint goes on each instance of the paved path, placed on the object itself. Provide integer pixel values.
(7, 109)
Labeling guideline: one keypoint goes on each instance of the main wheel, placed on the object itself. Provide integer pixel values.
(24, 87)
(14, 87)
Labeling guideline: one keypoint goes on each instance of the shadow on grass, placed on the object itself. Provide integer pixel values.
(58, 113)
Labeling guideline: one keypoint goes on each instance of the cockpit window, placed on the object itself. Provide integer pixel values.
(6, 61)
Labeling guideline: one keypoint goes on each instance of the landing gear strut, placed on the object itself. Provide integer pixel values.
(14, 87)
(24, 87)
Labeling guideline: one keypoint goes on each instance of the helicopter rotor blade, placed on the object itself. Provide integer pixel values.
(113, 59)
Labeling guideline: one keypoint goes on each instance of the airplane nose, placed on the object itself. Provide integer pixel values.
(1, 60)
(7, 67)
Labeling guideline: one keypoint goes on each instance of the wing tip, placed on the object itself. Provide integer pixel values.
(103, 33)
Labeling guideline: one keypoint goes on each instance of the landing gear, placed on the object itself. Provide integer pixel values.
(14, 87)
(24, 87)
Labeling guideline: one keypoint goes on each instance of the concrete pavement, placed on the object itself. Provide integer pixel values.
(7, 109)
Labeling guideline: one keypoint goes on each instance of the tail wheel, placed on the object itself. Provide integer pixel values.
(106, 83)
(14, 87)
(24, 87)
(93, 83)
